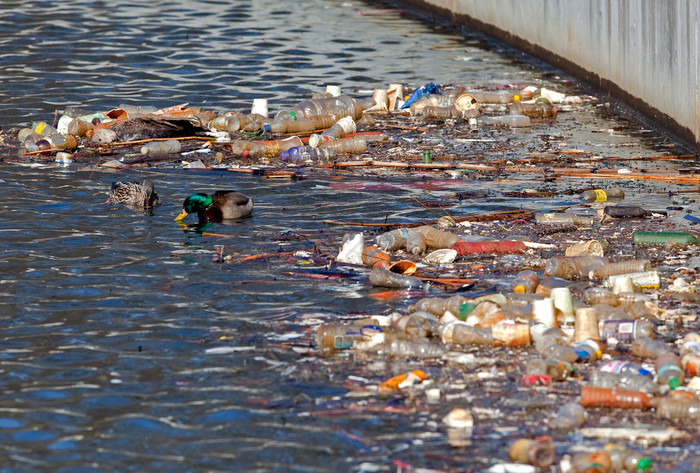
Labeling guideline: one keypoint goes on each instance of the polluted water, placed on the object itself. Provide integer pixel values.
(459, 258)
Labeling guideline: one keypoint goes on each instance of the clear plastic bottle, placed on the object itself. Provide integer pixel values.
(341, 128)
(157, 148)
(78, 127)
(625, 367)
(384, 278)
(621, 267)
(678, 409)
(415, 243)
(331, 337)
(417, 325)
(548, 348)
(669, 371)
(356, 144)
(646, 347)
(64, 142)
(270, 148)
(436, 238)
(588, 350)
(631, 382)
(664, 238)
(600, 295)
(341, 106)
(600, 195)
(302, 125)
(626, 459)
(555, 369)
(306, 153)
(393, 240)
(615, 398)
(438, 306)
(532, 109)
(494, 96)
(646, 279)
(562, 218)
(463, 334)
(445, 113)
(570, 416)
(573, 267)
(525, 282)
(44, 128)
(513, 121)
(537, 452)
(626, 330)
(457, 98)
(596, 462)
(411, 348)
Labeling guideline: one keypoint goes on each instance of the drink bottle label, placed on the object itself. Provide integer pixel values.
(600, 195)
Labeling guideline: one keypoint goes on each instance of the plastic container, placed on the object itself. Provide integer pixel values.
(646, 347)
(525, 282)
(600, 295)
(270, 148)
(548, 348)
(622, 267)
(669, 371)
(410, 348)
(356, 144)
(626, 330)
(585, 248)
(664, 238)
(627, 459)
(513, 121)
(532, 109)
(543, 312)
(428, 89)
(373, 256)
(439, 306)
(393, 240)
(344, 126)
(562, 218)
(630, 382)
(384, 278)
(417, 325)
(415, 243)
(569, 417)
(157, 148)
(333, 337)
(306, 153)
(615, 398)
(600, 195)
(436, 238)
(678, 409)
(538, 452)
(78, 127)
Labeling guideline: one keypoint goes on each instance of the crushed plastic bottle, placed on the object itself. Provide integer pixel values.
(306, 153)
(436, 238)
(628, 381)
(563, 218)
(384, 278)
(532, 109)
(596, 462)
(646, 347)
(445, 113)
(415, 243)
(553, 368)
(341, 128)
(622, 267)
(678, 409)
(393, 240)
(513, 121)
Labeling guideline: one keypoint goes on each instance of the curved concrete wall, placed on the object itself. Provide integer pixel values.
(645, 51)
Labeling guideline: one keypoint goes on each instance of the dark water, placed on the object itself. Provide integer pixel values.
(124, 348)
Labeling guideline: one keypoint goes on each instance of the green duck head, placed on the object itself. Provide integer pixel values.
(194, 204)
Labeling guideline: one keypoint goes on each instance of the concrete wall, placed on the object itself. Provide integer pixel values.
(645, 51)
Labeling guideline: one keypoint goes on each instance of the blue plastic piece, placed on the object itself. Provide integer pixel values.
(427, 89)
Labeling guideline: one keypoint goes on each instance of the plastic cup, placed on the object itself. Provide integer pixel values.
(259, 107)
(561, 297)
(543, 312)
(586, 324)
(381, 99)
(394, 95)
(333, 90)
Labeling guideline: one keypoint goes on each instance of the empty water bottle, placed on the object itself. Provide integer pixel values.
(621, 267)
(344, 126)
(355, 144)
(600, 195)
(513, 121)
(155, 148)
(393, 240)
(532, 109)
(615, 398)
(63, 142)
(669, 371)
(436, 238)
(342, 106)
(646, 347)
(44, 128)
(538, 452)
(306, 153)
(415, 243)
(631, 382)
(626, 330)
(678, 409)
(525, 282)
(302, 125)
(626, 459)
(569, 417)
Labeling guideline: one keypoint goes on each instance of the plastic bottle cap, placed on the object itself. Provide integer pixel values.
(673, 383)
(644, 463)
(267, 128)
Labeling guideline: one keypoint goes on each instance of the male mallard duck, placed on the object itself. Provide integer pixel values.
(218, 206)
(133, 193)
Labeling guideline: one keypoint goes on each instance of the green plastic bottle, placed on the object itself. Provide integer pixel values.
(662, 238)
